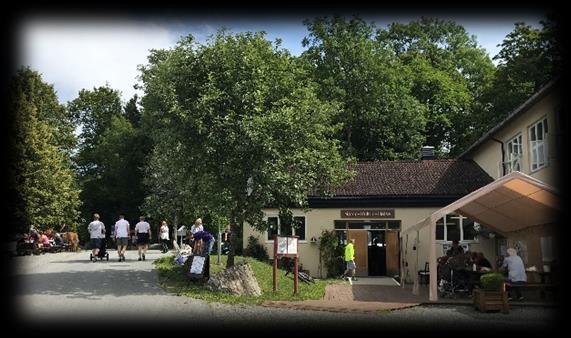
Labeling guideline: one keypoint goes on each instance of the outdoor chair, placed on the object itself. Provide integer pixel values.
(424, 275)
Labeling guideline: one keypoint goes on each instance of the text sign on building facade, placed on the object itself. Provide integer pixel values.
(384, 213)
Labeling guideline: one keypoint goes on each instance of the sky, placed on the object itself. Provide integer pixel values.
(74, 54)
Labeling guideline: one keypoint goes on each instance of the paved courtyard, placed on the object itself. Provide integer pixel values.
(68, 287)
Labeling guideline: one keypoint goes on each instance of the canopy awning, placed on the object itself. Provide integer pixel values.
(511, 203)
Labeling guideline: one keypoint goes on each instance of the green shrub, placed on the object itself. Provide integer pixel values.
(256, 250)
(492, 281)
(330, 253)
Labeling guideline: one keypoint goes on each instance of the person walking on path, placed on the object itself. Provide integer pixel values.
(121, 236)
(96, 228)
(143, 233)
(350, 260)
(164, 236)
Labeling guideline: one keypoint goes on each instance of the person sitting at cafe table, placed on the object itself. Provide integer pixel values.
(456, 249)
(516, 271)
(482, 264)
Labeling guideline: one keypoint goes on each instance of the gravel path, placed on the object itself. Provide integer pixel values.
(67, 286)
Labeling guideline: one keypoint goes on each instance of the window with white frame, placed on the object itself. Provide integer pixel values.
(514, 154)
(298, 228)
(538, 144)
(452, 226)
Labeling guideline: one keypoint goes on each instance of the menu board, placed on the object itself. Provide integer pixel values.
(287, 245)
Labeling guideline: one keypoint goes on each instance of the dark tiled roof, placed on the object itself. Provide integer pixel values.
(413, 179)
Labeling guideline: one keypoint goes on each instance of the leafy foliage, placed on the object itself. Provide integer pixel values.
(110, 157)
(329, 253)
(528, 59)
(256, 250)
(381, 119)
(47, 194)
(492, 281)
(246, 122)
(450, 74)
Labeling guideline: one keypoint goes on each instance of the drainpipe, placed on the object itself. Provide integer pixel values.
(503, 155)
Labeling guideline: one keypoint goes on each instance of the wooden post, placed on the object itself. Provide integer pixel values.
(275, 269)
(295, 275)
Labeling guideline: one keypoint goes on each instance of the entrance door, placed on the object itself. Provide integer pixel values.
(361, 245)
(392, 240)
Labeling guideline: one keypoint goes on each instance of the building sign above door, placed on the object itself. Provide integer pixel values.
(383, 213)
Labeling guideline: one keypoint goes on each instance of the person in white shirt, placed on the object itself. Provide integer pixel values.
(96, 228)
(121, 236)
(197, 226)
(164, 236)
(143, 233)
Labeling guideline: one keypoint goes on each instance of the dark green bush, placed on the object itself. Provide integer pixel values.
(492, 281)
(256, 250)
(330, 258)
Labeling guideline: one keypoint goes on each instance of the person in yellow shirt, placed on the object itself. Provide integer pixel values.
(350, 260)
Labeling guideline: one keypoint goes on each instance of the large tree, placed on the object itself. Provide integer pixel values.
(47, 191)
(451, 73)
(246, 121)
(381, 119)
(111, 155)
(529, 57)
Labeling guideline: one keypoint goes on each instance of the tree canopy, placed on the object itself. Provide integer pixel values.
(47, 193)
(247, 122)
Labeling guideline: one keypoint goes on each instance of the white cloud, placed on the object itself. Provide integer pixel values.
(77, 55)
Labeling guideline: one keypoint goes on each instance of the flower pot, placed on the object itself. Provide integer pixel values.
(485, 300)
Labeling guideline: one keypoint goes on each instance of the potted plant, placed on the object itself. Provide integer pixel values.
(491, 295)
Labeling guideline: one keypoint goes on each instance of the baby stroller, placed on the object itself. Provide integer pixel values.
(453, 278)
(102, 251)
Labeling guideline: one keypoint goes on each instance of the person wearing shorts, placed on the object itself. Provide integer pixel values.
(121, 236)
(96, 228)
(350, 260)
(143, 233)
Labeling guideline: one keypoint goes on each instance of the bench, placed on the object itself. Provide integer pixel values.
(542, 287)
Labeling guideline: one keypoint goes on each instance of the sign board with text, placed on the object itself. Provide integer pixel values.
(286, 246)
(379, 213)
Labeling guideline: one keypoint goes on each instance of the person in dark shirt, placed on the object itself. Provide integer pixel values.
(205, 238)
(456, 249)
(482, 262)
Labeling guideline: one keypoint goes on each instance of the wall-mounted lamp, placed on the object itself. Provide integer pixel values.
(313, 239)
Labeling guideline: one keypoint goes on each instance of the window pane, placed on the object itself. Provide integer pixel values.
(342, 237)
(440, 230)
(540, 154)
(534, 156)
(299, 224)
(340, 225)
(379, 225)
(452, 228)
(540, 131)
(273, 229)
(468, 229)
(545, 126)
(532, 133)
(394, 224)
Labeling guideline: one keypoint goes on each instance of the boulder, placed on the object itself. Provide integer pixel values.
(237, 280)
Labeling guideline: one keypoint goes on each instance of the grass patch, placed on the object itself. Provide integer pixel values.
(174, 279)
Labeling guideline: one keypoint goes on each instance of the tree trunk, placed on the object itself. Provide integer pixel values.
(233, 232)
